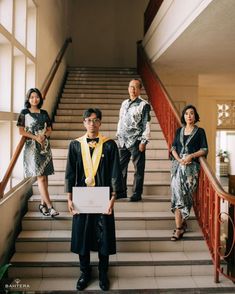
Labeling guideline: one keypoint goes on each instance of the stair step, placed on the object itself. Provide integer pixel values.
(99, 95)
(85, 82)
(104, 79)
(150, 165)
(155, 128)
(131, 245)
(127, 241)
(121, 235)
(105, 119)
(79, 119)
(111, 133)
(92, 85)
(121, 215)
(123, 91)
(150, 188)
(130, 220)
(121, 264)
(88, 105)
(199, 283)
(79, 112)
(101, 75)
(163, 175)
(93, 100)
(121, 70)
(151, 154)
(62, 139)
(148, 203)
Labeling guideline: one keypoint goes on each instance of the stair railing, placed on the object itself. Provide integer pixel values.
(214, 208)
(44, 90)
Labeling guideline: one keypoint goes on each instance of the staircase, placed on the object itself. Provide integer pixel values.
(147, 260)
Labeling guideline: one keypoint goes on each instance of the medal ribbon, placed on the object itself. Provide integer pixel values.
(91, 163)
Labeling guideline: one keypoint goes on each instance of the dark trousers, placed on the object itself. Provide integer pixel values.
(138, 159)
(85, 263)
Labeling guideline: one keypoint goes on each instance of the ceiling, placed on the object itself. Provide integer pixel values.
(207, 46)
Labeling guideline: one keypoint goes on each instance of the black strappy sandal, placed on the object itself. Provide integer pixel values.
(43, 209)
(52, 212)
(177, 237)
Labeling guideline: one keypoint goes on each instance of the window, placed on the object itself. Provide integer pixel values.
(6, 11)
(20, 21)
(5, 74)
(17, 74)
(31, 28)
(30, 74)
(18, 80)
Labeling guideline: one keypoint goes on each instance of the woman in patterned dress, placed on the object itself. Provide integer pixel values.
(189, 144)
(34, 124)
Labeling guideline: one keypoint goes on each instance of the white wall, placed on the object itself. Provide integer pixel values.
(105, 32)
(53, 29)
(230, 149)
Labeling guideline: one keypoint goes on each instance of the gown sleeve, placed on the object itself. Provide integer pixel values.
(115, 171)
(70, 172)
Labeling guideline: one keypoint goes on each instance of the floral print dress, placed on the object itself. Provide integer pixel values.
(184, 179)
(37, 158)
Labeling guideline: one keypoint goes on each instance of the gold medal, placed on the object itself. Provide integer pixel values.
(89, 182)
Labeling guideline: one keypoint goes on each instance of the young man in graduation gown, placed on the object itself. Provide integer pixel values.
(93, 160)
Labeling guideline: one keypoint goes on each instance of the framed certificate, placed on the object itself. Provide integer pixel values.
(91, 199)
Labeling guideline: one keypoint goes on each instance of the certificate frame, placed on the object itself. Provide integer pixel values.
(91, 199)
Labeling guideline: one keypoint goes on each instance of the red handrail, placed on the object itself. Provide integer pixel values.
(44, 90)
(210, 194)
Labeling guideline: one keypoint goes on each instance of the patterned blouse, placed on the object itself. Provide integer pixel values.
(134, 122)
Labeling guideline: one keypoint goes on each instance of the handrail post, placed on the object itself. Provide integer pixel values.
(217, 237)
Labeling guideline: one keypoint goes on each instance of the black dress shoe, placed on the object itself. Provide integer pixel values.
(135, 198)
(122, 195)
(104, 283)
(83, 281)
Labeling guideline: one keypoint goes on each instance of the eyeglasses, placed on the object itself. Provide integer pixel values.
(94, 121)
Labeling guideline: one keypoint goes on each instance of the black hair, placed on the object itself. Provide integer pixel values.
(30, 91)
(139, 80)
(197, 118)
(89, 111)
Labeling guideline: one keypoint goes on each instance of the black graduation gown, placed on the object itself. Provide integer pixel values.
(94, 232)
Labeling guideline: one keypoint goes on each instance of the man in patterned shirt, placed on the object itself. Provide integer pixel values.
(133, 134)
